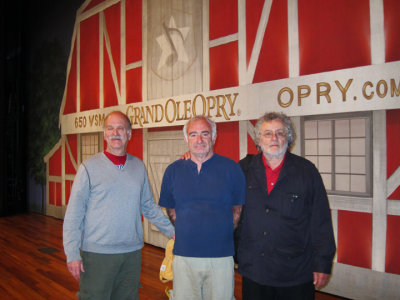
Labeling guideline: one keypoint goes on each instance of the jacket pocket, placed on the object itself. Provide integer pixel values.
(288, 263)
(292, 205)
(289, 253)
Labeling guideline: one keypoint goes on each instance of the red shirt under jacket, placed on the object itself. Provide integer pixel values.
(272, 175)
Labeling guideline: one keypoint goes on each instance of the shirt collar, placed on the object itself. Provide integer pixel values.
(116, 160)
(268, 168)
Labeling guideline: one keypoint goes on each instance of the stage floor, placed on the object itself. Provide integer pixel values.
(32, 263)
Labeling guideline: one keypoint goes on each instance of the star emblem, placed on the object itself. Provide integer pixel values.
(172, 45)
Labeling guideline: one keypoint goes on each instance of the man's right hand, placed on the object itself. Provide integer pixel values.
(75, 268)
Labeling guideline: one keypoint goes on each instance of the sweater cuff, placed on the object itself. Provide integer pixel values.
(73, 257)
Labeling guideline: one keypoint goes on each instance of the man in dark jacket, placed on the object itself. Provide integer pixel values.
(286, 241)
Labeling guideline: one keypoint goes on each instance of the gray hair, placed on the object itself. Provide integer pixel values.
(128, 122)
(290, 133)
(201, 117)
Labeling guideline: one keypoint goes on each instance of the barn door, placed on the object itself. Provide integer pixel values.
(163, 148)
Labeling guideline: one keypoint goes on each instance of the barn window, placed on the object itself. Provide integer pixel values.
(89, 145)
(340, 147)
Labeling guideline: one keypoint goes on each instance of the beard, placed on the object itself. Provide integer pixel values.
(279, 154)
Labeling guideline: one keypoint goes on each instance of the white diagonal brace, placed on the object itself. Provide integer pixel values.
(393, 182)
(71, 156)
(111, 59)
(258, 42)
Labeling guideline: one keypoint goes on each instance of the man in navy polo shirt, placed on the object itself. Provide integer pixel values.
(203, 196)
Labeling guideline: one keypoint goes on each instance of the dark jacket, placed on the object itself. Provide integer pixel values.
(287, 235)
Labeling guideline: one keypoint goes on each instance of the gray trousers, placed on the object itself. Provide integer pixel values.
(110, 276)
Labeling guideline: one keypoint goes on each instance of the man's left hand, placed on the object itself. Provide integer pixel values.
(320, 279)
(186, 156)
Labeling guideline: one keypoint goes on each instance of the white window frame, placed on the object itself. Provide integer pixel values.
(368, 149)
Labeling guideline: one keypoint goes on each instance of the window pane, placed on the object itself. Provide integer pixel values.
(342, 128)
(324, 147)
(357, 127)
(324, 129)
(310, 130)
(342, 182)
(357, 147)
(342, 164)
(357, 183)
(342, 146)
(325, 164)
(358, 165)
(311, 147)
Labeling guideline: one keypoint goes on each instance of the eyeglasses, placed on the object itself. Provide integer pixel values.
(280, 134)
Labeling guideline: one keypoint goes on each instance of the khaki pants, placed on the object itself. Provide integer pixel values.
(208, 278)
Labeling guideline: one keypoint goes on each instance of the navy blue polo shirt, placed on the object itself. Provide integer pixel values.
(203, 204)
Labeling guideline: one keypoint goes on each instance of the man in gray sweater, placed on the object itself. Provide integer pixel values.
(102, 232)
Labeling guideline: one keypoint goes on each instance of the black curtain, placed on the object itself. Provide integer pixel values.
(12, 165)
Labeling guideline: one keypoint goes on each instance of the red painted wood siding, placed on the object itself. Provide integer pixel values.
(393, 146)
(333, 34)
(354, 238)
(89, 63)
(393, 245)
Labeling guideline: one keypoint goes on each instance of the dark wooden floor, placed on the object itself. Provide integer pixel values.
(32, 263)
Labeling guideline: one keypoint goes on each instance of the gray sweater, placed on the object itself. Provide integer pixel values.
(105, 207)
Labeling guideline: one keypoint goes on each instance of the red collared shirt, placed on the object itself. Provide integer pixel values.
(116, 160)
(272, 175)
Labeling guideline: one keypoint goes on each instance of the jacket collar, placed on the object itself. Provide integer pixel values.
(257, 167)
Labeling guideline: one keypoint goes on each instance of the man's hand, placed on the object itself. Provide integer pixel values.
(171, 215)
(237, 209)
(75, 268)
(186, 156)
(320, 279)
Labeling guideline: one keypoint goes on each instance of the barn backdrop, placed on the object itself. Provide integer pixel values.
(332, 65)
